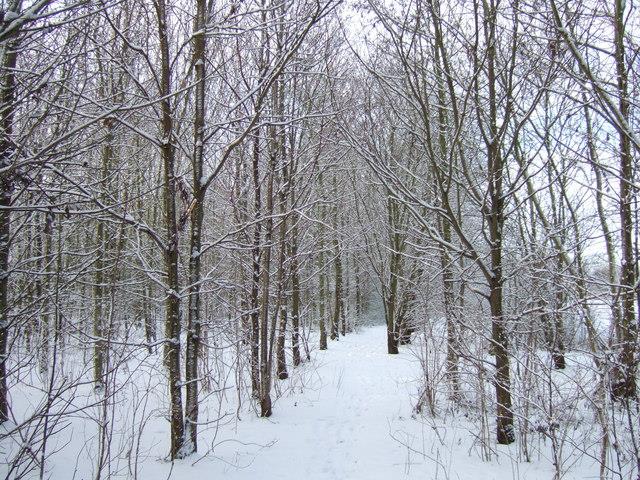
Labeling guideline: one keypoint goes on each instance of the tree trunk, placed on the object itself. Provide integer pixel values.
(390, 310)
(281, 358)
(46, 271)
(102, 240)
(557, 330)
(194, 322)
(7, 108)
(255, 276)
(358, 293)
(149, 321)
(322, 300)
(395, 273)
(265, 283)
(625, 383)
(495, 220)
(499, 343)
(282, 297)
(323, 293)
(338, 301)
(445, 229)
(172, 304)
(295, 294)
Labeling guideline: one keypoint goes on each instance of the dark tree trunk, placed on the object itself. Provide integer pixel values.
(392, 341)
(295, 300)
(172, 304)
(5, 231)
(625, 383)
(265, 282)
(99, 330)
(505, 432)
(7, 109)
(323, 287)
(255, 277)
(338, 304)
(494, 214)
(281, 358)
(322, 310)
(149, 321)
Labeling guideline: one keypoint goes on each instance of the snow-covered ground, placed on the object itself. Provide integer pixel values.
(346, 414)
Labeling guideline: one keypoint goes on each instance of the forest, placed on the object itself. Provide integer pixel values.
(201, 197)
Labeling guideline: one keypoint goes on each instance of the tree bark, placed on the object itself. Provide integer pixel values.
(194, 322)
(9, 60)
(99, 330)
(256, 269)
(322, 300)
(295, 292)
(323, 293)
(625, 384)
(172, 303)
(395, 272)
(265, 283)
(337, 295)
(281, 358)
(495, 221)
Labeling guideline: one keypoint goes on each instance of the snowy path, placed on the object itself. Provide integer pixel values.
(349, 418)
(352, 421)
(339, 427)
(344, 432)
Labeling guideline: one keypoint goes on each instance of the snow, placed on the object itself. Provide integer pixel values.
(346, 414)
(10, 16)
(338, 425)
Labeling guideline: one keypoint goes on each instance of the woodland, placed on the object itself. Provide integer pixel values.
(199, 197)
